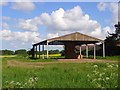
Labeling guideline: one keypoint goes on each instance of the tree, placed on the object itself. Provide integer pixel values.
(6, 52)
(21, 52)
(112, 40)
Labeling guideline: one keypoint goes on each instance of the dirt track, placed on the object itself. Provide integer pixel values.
(16, 63)
(86, 60)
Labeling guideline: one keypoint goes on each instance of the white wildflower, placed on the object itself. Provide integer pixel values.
(103, 73)
(18, 83)
(11, 82)
(113, 64)
(107, 78)
(95, 66)
(93, 80)
(99, 79)
(88, 75)
(105, 69)
(100, 74)
(107, 63)
(117, 65)
(36, 78)
(110, 66)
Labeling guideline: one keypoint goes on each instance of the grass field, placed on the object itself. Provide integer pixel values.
(59, 75)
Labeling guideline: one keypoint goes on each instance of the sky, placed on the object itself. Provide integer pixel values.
(26, 23)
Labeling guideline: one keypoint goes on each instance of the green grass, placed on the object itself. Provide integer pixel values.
(106, 57)
(58, 75)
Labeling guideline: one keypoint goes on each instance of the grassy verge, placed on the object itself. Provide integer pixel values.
(105, 58)
(60, 75)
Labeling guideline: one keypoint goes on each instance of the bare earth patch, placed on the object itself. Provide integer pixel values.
(15, 63)
(86, 60)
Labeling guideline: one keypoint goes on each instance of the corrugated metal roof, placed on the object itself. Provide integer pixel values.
(75, 37)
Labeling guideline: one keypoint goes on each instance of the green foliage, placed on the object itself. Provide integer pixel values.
(54, 51)
(105, 58)
(21, 52)
(112, 40)
(62, 52)
(6, 52)
(105, 78)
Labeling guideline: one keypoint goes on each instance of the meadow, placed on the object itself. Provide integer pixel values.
(58, 75)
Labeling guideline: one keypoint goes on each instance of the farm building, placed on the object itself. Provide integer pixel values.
(70, 41)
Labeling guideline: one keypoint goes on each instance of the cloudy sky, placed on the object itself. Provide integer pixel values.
(25, 23)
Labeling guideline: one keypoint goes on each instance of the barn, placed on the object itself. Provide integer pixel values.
(70, 41)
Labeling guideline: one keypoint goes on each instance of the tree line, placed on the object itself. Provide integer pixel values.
(25, 52)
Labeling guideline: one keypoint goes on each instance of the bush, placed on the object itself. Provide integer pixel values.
(6, 52)
(21, 52)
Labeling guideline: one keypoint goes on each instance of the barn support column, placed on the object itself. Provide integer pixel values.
(36, 51)
(80, 50)
(42, 51)
(33, 52)
(86, 50)
(39, 51)
(47, 50)
(94, 51)
(103, 49)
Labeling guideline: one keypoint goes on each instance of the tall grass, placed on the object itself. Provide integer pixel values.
(105, 58)
(59, 75)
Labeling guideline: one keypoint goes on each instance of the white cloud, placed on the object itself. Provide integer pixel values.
(3, 3)
(52, 35)
(102, 6)
(5, 25)
(112, 7)
(119, 11)
(70, 21)
(57, 23)
(20, 36)
(6, 18)
(64, 22)
(107, 30)
(27, 25)
(23, 6)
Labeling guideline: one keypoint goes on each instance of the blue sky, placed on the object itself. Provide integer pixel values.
(41, 20)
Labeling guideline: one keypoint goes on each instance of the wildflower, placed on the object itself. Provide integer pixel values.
(95, 66)
(36, 78)
(107, 78)
(113, 64)
(100, 74)
(94, 71)
(88, 75)
(99, 79)
(107, 63)
(117, 65)
(93, 80)
(103, 73)
(18, 83)
(110, 66)
(11, 82)
(105, 69)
